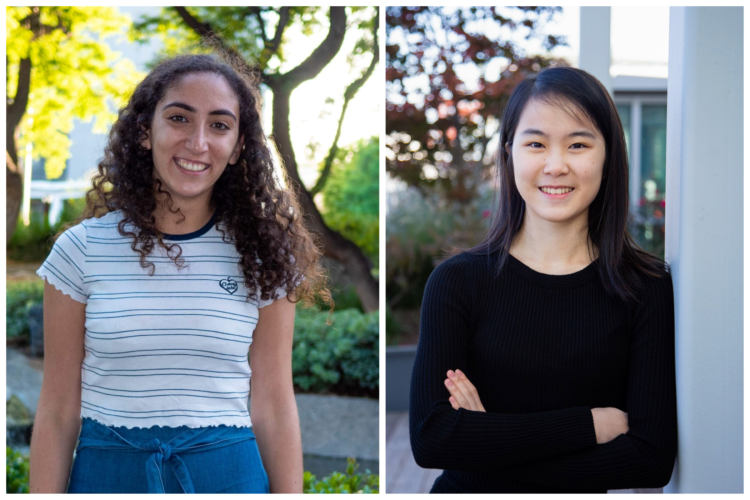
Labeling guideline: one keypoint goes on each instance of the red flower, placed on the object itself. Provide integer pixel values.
(663, 204)
(485, 214)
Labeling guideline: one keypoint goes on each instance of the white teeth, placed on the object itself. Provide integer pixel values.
(193, 167)
(557, 191)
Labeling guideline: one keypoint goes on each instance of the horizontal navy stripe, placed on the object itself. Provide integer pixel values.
(203, 310)
(173, 278)
(157, 369)
(51, 269)
(167, 349)
(161, 375)
(170, 330)
(162, 395)
(176, 409)
(160, 355)
(170, 335)
(246, 393)
(57, 249)
(75, 239)
(168, 314)
(162, 416)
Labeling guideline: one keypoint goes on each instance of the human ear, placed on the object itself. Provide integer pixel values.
(507, 147)
(237, 150)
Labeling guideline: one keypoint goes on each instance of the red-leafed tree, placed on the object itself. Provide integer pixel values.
(442, 98)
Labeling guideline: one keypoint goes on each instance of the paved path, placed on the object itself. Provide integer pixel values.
(402, 474)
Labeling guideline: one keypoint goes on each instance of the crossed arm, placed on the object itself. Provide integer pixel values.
(608, 422)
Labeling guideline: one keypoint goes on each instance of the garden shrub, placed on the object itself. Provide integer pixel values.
(20, 297)
(16, 471)
(343, 482)
(33, 243)
(339, 357)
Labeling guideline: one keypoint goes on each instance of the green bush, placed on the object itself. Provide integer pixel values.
(20, 296)
(33, 243)
(340, 357)
(16, 471)
(339, 482)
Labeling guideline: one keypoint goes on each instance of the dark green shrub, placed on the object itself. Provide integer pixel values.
(16, 471)
(20, 296)
(33, 243)
(340, 357)
(339, 482)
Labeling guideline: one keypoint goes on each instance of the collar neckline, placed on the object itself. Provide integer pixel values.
(576, 278)
(194, 234)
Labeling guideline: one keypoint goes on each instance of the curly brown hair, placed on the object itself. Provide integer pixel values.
(263, 219)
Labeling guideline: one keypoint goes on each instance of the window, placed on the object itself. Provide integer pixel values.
(644, 120)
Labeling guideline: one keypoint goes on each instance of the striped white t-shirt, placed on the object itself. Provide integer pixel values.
(169, 349)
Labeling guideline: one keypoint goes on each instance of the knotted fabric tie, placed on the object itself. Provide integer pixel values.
(191, 441)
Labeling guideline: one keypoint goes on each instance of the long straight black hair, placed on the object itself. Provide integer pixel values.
(621, 260)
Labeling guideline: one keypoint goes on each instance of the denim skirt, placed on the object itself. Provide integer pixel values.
(166, 460)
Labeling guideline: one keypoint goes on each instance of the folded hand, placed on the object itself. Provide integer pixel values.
(463, 393)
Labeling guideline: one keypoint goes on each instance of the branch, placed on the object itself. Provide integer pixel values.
(321, 56)
(283, 20)
(14, 112)
(349, 94)
(261, 22)
(203, 29)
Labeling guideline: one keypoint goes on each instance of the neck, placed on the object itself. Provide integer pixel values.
(554, 245)
(190, 218)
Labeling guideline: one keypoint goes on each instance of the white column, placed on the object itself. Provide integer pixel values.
(594, 56)
(704, 243)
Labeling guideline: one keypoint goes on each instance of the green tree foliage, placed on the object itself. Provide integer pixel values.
(351, 198)
(74, 74)
(439, 120)
(259, 35)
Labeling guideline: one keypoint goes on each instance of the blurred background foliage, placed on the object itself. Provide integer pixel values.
(449, 73)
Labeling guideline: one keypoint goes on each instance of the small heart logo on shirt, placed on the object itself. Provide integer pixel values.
(229, 285)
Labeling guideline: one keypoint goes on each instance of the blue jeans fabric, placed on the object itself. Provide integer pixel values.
(167, 460)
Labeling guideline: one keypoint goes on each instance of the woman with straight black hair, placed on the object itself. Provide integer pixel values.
(546, 353)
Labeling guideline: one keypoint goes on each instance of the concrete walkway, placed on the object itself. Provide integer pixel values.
(333, 427)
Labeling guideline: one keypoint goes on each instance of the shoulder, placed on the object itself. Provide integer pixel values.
(656, 297)
(460, 272)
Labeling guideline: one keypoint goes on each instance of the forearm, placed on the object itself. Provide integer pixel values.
(473, 441)
(625, 462)
(52, 443)
(279, 440)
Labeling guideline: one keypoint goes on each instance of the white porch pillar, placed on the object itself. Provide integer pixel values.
(594, 55)
(704, 245)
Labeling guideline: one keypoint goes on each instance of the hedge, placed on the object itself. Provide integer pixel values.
(339, 357)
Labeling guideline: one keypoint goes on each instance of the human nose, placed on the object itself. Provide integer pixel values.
(556, 164)
(197, 141)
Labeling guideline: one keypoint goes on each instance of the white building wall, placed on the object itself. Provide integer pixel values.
(704, 243)
(595, 44)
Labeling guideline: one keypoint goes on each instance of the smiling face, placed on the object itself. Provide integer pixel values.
(558, 161)
(193, 136)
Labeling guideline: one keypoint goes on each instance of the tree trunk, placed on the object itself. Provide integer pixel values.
(13, 171)
(13, 197)
(335, 246)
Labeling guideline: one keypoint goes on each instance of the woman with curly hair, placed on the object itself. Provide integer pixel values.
(546, 353)
(188, 251)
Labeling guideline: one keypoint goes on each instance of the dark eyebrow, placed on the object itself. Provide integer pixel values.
(577, 133)
(192, 109)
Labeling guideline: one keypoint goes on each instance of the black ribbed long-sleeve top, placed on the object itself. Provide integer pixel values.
(542, 351)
